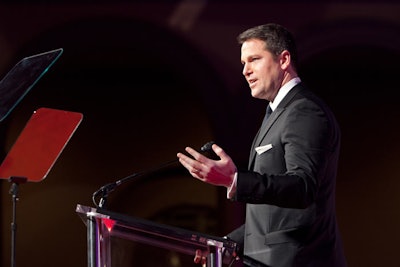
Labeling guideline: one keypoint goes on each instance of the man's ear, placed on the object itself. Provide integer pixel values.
(285, 59)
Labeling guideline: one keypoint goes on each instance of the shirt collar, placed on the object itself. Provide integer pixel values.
(284, 91)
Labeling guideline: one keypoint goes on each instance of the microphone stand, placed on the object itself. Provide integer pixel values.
(106, 189)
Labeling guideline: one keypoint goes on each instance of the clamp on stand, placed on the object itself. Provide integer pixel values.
(16, 181)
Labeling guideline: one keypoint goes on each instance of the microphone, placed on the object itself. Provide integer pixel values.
(106, 189)
(207, 147)
(207, 150)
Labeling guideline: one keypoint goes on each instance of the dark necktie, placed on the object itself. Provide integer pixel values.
(267, 114)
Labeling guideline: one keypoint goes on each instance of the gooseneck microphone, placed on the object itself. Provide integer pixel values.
(106, 189)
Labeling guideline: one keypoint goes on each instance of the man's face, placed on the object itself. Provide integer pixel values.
(262, 71)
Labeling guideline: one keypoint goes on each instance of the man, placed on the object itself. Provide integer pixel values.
(289, 186)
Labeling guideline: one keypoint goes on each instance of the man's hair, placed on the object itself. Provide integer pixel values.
(276, 37)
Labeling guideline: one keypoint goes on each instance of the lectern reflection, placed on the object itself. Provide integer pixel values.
(127, 254)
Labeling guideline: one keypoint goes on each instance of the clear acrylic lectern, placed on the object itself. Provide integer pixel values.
(103, 225)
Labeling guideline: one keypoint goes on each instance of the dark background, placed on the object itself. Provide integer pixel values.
(151, 77)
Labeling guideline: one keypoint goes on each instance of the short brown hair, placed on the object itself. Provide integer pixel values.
(276, 37)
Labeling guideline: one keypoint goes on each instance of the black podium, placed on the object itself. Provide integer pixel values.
(103, 225)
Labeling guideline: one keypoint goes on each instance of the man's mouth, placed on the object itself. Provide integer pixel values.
(252, 82)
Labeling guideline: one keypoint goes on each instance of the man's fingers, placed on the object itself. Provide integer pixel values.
(189, 163)
(196, 155)
(219, 151)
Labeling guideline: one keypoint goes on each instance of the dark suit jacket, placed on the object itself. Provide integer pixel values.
(290, 188)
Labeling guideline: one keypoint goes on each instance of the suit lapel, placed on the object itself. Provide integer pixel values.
(262, 132)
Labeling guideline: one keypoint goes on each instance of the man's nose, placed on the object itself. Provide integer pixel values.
(246, 70)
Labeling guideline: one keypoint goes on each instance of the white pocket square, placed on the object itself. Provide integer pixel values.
(262, 149)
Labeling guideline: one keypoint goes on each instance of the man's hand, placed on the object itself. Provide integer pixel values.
(217, 172)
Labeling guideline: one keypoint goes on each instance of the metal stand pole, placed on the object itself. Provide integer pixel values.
(14, 192)
(92, 241)
(98, 243)
(214, 258)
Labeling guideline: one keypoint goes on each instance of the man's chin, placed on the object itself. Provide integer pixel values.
(255, 94)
